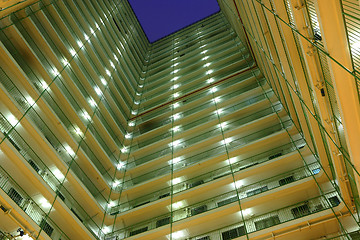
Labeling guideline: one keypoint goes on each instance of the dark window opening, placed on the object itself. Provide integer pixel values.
(117, 25)
(138, 231)
(233, 233)
(46, 227)
(300, 211)
(267, 222)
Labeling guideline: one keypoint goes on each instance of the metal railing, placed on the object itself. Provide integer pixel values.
(250, 225)
(29, 206)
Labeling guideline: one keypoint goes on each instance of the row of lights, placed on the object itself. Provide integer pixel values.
(125, 149)
(177, 142)
(96, 88)
(175, 129)
(13, 121)
(179, 234)
(102, 79)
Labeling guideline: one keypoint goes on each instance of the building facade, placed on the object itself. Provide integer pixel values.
(244, 125)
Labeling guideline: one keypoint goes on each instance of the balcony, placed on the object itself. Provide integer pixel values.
(250, 225)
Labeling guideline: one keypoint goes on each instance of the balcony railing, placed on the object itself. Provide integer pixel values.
(211, 176)
(50, 178)
(29, 206)
(230, 125)
(211, 152)
(283, 215)
(251, 224)
(200, 95)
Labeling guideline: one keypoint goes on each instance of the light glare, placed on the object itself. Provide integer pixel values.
(30, 100)
(176, 181)
(213, 89)
(103, 81)
(176, 116)
(12, 120)
(97, 90)
(176, 105)
(58, 174)
(120, 165)
(210, 80)
(69, 151)
(44, 203)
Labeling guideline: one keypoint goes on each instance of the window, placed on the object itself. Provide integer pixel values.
(267, 222)
(300, 211)
(286, 180)
(256, 191)
(233, 233)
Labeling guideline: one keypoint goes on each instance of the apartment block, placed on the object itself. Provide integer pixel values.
(244, 125)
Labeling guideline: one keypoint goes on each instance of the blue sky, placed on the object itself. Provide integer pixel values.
(160, 18)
